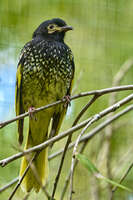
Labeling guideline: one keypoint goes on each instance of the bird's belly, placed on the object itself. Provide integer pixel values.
(37, 92)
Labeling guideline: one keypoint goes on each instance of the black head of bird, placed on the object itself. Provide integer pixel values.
(52, 29)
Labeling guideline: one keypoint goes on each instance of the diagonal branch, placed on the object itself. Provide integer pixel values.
(35, 173)
(94, 119)
(84, 139)
(9, 184)
(83, 94)
(68, 142)
(43, 145)
(85, 108)
(69, 131)
(121, 180)
(85, 124)
(94, 98)
(21, 179)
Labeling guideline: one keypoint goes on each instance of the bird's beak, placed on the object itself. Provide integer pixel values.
(66, 28)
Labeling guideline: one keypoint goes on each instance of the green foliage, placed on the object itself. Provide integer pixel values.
(93, 170)
(87, 163)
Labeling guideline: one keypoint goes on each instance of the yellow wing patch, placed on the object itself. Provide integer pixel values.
(17, 90)
(18, 102)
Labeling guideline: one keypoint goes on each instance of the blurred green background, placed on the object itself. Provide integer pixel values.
(101, 42)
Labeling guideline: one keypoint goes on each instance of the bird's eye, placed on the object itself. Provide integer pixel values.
(51, 26)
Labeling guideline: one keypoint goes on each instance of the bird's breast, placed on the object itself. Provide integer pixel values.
(47, 73)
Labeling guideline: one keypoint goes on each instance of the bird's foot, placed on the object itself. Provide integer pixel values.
(31, 113)
(68, 100)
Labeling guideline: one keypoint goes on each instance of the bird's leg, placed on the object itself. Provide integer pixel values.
(68, 100)
(31, 113)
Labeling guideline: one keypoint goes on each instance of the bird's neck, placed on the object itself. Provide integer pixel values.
(53, 37)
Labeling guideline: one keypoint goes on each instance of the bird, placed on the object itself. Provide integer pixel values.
(45, 74)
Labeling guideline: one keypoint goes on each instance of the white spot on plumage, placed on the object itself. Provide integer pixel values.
(34, 69)
(61, 61)
(32, 59)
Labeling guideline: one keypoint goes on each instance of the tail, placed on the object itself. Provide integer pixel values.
(40, 163)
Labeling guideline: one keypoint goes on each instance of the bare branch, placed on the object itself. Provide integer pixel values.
(73, 157)
(21, 179)
(9, 184)
(95, 130)
(68, 142)
(84, 139)
(69, 131)
(95, 92)
(85, 108)
(122, 178)
(35, 173)
(75, 163)
(95, 118)
(96, 95)
(86, 124)
(44, 144)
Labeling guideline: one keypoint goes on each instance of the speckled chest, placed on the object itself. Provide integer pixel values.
(47, 68)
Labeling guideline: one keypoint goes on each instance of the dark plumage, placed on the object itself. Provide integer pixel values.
(45, 74)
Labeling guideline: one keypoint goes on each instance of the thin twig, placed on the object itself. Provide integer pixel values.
(21, 179)
(69, 131)
(95, 118)
(67, 144)
(35, 173)
(83, 94)
(85, 108)
(122, 178)
(9, 184)
(95, 130)
(68, 177)
(43, 145)
(84, 139)
(96, 95)
(122, 162)
(74, 151)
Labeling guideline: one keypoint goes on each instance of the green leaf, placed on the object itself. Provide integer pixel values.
(91, 168)
(117, 184)
(87, 163)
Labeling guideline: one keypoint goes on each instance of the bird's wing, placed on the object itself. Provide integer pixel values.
(58, 116)
(18, 100)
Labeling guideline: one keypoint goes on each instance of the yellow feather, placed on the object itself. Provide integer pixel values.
(18, 102)
(17, 91)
